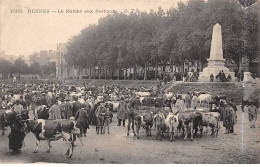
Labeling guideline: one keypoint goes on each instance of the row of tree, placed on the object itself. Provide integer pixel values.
(140, 39)
(19, 66)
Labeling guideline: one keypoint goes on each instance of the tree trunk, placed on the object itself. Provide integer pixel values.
(106, 74)
(201, 67)
(89, 77)
(78, 73)
(118, 73)
(94, 71)
(134, 73)
(188, 66)
(99, 72)
(183, 67)
(156, 71)
(145, 71)
(125, 74)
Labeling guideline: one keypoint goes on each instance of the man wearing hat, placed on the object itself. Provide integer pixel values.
(187, 101)
(252, 114)
(229, 118)
(67, 109)
(68, 97)
(82, 120)
(55, 112)
(18, 108)
(194, 101)
(180, 104)
(136, 103)
(122, 112)
(100, 110)
(76, 106)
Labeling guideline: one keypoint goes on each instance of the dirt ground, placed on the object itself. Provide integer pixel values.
(116, 147)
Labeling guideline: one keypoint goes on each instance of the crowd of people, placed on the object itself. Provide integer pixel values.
(93, 105)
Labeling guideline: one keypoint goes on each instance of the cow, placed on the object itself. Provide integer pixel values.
(190, 120)
(51, 130)
(114, 104)
(168, 95)
(140, 118)
(210, 119)
(143, 94)
(144, 119)
(158, 102)
(204, 99)
(147, 101)
(159, 124)
(172, 123)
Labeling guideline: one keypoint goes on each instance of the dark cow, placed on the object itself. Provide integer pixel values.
(147, 101)
(140, 118)
(158, 102)
(144, 119)
(190, 120)
(210, 119)
(159, 123)
(52, 130)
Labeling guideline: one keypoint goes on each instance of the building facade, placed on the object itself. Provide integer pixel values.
(63, 71)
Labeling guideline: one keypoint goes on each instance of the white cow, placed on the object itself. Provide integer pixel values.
(168, 95)
(17, 97)
(172, 123)
(204, 99)
(143, 94)
(115, 105)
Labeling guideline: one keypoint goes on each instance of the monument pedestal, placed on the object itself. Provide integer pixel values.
(248, 78)
(214, 67)
(216, 61)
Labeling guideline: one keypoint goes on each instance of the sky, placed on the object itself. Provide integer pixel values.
(25, 33)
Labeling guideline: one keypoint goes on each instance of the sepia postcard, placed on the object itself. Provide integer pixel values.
(129, 82)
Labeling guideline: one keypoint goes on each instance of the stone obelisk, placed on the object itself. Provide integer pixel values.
(216, 61)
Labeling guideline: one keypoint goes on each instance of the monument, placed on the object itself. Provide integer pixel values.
(216, 61)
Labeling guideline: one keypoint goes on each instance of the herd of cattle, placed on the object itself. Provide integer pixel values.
(147, 108)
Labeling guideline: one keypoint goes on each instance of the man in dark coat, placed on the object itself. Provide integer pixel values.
(44, 100)
(23, 102)
(135, 103)
(67, 110)
(17, 134)
(229, 118)
(82, 120)
(76, 107)
(39, 101)
(122, 112)
(211, 77)
(100, 117)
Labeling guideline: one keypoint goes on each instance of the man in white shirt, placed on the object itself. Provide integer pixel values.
(18, 108)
